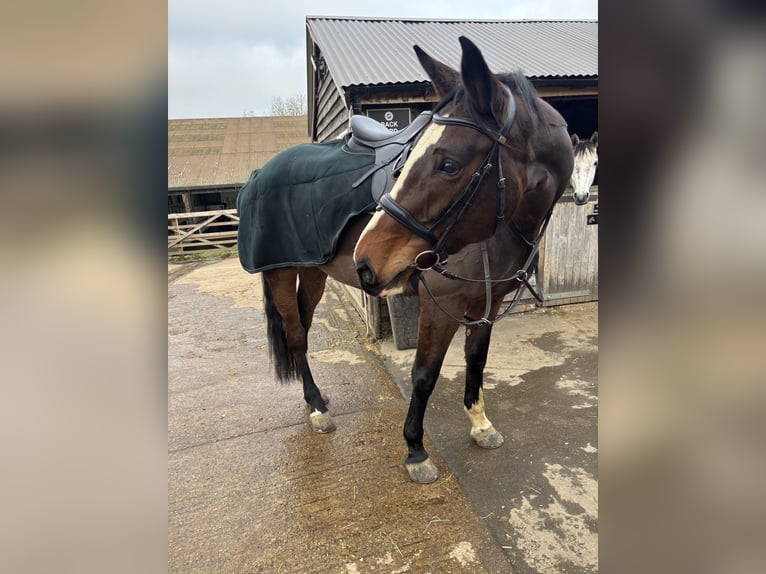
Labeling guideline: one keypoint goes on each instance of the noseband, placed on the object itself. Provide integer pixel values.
(437, 254)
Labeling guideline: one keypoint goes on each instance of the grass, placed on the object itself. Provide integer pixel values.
(203, 255)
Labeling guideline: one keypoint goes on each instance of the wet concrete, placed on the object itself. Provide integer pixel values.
(537, 493)
(253, 489)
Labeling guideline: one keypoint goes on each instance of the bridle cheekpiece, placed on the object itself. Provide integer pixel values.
(437, 253)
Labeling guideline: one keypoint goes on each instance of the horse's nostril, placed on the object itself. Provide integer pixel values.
(366, 274)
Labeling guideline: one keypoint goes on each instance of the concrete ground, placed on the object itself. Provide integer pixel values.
(252, 489)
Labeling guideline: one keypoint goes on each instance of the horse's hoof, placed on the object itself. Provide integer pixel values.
(488, 438)
(322, 422)
(422, 472)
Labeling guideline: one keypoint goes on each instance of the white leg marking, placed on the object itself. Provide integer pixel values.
(321, 422)
(482, 431)
(479, 421)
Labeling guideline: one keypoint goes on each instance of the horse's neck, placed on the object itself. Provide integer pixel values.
(509, 248)
(528, 226)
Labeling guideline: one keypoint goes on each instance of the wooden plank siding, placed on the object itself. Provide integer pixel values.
(569, 254)
(332, 115)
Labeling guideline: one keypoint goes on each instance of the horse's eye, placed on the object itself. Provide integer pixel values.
(449, 167)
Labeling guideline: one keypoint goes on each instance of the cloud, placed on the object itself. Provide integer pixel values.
(232, 79)
(234, 56)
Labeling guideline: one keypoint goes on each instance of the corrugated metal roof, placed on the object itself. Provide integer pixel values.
(374, 51)
(224, 151)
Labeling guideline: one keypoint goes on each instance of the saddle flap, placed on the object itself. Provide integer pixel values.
(391, 149)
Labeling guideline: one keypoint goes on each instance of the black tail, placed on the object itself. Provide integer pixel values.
(282, 360)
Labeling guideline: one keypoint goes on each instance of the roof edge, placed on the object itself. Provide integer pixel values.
(415, 85)
(482, 20)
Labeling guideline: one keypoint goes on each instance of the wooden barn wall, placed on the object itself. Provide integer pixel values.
(569, 254)
(332, 115)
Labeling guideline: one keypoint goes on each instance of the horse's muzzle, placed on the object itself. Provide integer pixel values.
(581, 200)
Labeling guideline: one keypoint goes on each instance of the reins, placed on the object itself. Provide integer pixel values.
(522, 276)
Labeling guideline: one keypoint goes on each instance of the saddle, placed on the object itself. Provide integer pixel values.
(390, 148)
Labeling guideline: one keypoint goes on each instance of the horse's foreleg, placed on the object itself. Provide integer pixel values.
(476, 349)
(434, 336)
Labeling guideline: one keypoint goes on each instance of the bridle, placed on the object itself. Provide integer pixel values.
(437, 253)
(436, 257)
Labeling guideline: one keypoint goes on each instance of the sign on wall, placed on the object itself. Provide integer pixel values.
(394, 119)
(593, 217)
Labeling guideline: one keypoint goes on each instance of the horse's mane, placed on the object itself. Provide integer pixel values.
(582, 146)
(518, 83)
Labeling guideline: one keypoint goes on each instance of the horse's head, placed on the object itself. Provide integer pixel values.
(585, 163)
(463, 178)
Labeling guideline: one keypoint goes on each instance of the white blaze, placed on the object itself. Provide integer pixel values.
(432, 135)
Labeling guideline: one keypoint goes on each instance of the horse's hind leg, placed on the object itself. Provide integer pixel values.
(476, 348)
(289, 314)
(311, 284)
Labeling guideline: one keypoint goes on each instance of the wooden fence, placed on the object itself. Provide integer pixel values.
(202, 231)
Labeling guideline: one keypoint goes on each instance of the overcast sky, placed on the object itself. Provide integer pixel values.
(227, 58)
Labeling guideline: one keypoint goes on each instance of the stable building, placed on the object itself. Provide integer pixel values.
(368, 66)
(210, 159)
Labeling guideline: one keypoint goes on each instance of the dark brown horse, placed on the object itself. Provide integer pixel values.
(519, 150)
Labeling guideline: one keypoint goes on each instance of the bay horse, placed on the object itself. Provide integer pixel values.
(487, 260)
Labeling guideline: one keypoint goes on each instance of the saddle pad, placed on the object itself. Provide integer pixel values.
(293, 209)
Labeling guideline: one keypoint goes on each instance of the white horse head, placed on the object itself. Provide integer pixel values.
(585, 163)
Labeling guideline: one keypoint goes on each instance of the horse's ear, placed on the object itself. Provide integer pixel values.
(575, 140)
(442, 76)
(485, 91)
(594, 139)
